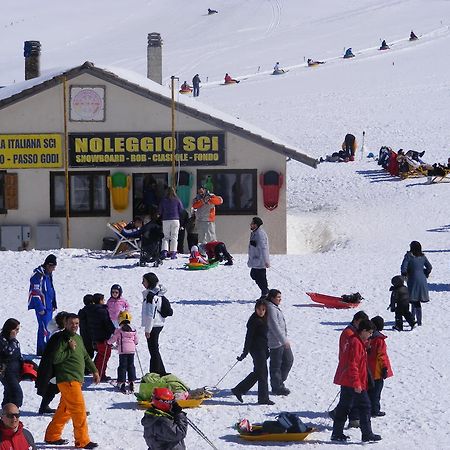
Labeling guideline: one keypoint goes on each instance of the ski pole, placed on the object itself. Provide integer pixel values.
(201, 434)
(362, 146)
(139, 361)
(334, 399)
(228, 371)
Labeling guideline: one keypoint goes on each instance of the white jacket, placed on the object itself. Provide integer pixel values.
(151, 316)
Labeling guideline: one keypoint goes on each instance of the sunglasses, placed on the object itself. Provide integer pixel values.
(12, 415)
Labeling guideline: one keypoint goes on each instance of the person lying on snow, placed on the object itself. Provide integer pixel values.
(165, 423)
(312, 62)
(229, 80)
(212, 11)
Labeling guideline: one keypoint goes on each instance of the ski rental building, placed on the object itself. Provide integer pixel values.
(104, 133)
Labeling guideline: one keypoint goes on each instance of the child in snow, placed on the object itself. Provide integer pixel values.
(116, 304)
(379, 365)
(256, 344)
(400, 303)
(165, 423)
(196, 257)
(229, 80)
(127, 340)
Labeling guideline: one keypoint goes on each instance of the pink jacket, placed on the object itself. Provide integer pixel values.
(126, 341)
(115, 307)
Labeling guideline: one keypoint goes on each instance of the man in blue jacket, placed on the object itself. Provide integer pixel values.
(42, 298)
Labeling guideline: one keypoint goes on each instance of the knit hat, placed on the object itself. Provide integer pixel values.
(378, 321)
(152, 279)
(116, 287)
(257, 221)
(50, 260)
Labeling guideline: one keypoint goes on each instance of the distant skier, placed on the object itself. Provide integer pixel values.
(277, 69)
(196, 85)
(412, 36)
(349, 53)
(229, 80)
(312, 62)
(212, 11)
(384, 45)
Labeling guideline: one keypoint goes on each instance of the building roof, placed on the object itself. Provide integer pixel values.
(147, 88)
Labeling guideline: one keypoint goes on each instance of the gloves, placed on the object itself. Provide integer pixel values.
(176, 408)
(240, 358)
(384, 372)
(253, 243)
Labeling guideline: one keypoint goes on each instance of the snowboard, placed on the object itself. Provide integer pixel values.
(329, 301)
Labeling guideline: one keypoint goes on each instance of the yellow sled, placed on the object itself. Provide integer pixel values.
(188, 403)
(256, 435)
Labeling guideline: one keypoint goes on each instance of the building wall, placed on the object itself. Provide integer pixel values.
(127, 111)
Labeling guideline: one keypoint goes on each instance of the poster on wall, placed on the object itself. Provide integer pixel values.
(146, 149)
(30, 151)
(87, 104)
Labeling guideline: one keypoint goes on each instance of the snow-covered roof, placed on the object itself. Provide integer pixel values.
(148, 88)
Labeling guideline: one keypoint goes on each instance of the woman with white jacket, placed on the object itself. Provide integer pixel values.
(152, 320)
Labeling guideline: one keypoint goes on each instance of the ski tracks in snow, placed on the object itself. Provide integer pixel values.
(276, 16)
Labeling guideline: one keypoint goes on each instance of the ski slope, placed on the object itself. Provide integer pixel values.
(349, 224)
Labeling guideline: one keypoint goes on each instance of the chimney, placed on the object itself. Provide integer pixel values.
(154, 58)
(32, 53)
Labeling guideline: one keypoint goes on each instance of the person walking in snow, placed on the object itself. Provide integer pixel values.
(170, 210)
(352, 376)
(11, 360)
(400, 303)
(196, 85)
(281, 357)
(416, 268)
(42, 298)
(379, 365)
(116, 303)
(83, 313)
(256, 344)
(152, 319)
(205, 205)
(258, 255)
(165, 424)
(126, 339)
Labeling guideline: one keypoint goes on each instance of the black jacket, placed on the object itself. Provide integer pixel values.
(100, 326)
(399, 297)
(256, 337)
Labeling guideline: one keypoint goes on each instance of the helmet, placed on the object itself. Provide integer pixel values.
(123, 316)
(117, 287)
(162, 399)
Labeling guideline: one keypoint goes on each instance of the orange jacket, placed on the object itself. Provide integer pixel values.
(378, 357)
(206, 207)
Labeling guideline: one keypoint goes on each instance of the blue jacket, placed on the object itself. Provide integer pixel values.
(416, 269)
(42, 295)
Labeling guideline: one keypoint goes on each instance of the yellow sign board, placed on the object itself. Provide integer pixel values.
(30, 151)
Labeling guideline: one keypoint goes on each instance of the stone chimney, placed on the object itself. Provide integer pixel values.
(32, 53)
(154, 57)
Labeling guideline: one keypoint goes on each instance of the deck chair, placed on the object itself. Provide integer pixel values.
(438, 175)
(416, 168)
(125, 245)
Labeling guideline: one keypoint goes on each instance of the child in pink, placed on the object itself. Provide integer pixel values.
(196, 257)
(116, 304)
(126, 339)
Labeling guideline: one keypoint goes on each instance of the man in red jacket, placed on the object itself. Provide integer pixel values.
(13, 436)
(352, 375)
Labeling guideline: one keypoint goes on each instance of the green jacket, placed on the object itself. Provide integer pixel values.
(70, 364)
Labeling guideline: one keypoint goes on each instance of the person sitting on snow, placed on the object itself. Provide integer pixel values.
(212, 11)
(165, 423)
(277, 69)
(312, 62)
(185, 87)
(196, 257)
(412, 36)
(348, 53)
(229, 80)
(384, 45)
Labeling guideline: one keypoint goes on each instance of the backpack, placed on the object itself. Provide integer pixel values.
(166, 310)
(291, 423)
(352, 298)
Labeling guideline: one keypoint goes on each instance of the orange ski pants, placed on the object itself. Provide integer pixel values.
(71, 406)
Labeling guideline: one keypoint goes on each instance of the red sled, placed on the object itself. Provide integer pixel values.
(331, 302)
(271, 183)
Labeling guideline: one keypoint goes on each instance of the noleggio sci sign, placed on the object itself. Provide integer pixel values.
(148, 149)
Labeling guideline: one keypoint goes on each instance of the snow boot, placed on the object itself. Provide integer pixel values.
(238, 395)
(173, 255)
(123, 388)
(340, 437)
(371, 438)
(164, 254)
(131, 387)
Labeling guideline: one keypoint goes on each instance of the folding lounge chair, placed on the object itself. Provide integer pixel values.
(125, 245)
(442, 177)
(416, 169)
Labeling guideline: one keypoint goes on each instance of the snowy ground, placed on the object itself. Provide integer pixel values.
(349, 224)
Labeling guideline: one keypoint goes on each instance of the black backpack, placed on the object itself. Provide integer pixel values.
(166, 310)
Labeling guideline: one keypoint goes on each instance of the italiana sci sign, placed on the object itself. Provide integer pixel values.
(30, 151)
(146, 149)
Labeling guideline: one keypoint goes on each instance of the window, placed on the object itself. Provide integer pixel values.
(2, 193)
(238, 188)
(88, 194)
(148, 188)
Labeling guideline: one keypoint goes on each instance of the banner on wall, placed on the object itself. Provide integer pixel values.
(30, 151)
(146, 149)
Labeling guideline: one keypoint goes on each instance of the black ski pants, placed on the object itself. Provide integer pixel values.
(126, 367)
(260, 278)
(221, 252)
(156, 362)
(400, 312)
(375, 396)
(259, 375)
(50, 393)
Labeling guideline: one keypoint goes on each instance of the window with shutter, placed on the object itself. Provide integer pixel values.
(11, 191)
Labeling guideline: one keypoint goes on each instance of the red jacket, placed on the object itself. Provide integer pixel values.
(378, 357)
(348, 332)
(15, 440)
(210, 248)
(352, 367)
